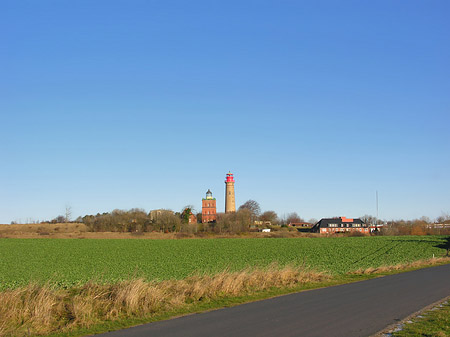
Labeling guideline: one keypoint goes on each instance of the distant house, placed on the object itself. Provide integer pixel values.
(444, 225)
(192, 219)
(158, 213)
(375, 228)
(262, 223)
(340, 225)
(301, 226)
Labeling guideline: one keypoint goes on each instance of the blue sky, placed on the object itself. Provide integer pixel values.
(314, 106)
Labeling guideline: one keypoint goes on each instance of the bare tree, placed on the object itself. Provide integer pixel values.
(68, 213)
(59, 219)
(269, 216)
(293, 218)
(167, 221)
(369, 219)
(234, 222)
(252, 206)
(443, 218)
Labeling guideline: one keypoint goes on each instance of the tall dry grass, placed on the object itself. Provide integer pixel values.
(401, 266)
(44, 230)
(37, 309)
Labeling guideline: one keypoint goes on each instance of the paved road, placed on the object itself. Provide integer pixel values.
(357, 309)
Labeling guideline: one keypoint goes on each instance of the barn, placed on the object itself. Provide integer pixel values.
(340, 225)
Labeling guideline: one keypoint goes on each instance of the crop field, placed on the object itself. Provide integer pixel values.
(69, 262)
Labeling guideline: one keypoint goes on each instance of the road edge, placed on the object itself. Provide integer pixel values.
(387, 331)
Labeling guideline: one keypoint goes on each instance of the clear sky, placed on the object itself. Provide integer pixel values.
(313, 105)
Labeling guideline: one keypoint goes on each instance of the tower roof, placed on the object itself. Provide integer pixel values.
(229, 177)
(209, 194)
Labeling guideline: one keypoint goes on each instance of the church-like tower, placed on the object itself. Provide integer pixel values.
(209, 208)
(230, 203)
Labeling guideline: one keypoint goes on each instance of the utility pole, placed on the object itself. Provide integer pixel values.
(377, 207)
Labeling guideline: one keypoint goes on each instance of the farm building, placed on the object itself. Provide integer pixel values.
(192, 219)
(340, 225)
(301, 226)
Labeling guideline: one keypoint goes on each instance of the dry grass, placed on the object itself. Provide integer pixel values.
(35, 309)
(71, 231)
(58, 230)
(402, 266)
(80, 231)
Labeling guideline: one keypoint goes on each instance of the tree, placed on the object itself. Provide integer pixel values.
(269, 216)
(233, 222)
(59, 219)
(243, 219)
(253, 207)
(68, 213)
(293, 218)
(167, 221)
(186, 213)
(137, 220)
(368, 219)
(223, 222)
(444, 217)
(425, 219)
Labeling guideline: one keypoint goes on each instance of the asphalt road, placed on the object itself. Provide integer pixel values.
(357, 309)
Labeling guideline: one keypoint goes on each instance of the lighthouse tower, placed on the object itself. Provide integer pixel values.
(230, 204)
(209, 208)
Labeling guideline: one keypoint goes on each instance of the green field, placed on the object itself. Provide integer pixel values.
(68, 262)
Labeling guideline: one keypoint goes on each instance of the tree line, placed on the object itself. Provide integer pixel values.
(248, 217)
(163, 220)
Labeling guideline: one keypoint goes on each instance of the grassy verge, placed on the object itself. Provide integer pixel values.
(435, 322)
(92, 308)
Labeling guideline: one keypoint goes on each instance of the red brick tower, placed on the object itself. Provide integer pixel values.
(209, 208)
